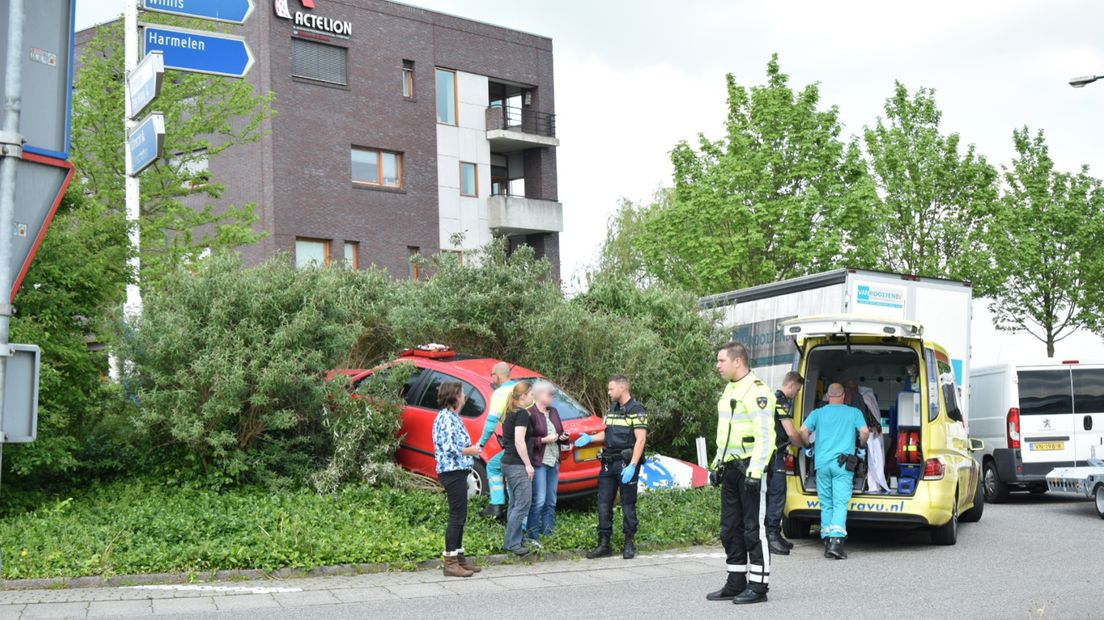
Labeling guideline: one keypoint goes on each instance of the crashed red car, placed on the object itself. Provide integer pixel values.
(579, 468)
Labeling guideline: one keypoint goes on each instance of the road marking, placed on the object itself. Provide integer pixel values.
(220, 589)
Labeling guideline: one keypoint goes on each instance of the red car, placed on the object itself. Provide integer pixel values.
(579, 468)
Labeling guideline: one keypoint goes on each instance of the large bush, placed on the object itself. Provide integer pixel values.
(230, 364)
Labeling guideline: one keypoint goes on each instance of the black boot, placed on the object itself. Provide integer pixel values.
(749, 596)
(776, 543)
(494, 511)
(827, 545)
(629, 552)
(736, 584)
(602, 550)
(835, 549)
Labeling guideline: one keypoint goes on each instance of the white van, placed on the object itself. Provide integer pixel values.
(1032, 419)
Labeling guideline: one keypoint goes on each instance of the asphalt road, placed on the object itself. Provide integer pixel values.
(1036, 557)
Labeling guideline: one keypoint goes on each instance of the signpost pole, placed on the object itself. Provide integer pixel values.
(133, 305)
(11, 143)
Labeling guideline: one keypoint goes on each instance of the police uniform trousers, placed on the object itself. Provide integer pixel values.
(609, 482)
(742, 531)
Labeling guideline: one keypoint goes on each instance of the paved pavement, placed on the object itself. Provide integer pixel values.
(1038, 557)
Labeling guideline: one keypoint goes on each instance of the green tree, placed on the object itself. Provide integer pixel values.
(938, 203)
(780, 195)
(1047, 246)
(620, 254)
(204, 117)
(76, 279)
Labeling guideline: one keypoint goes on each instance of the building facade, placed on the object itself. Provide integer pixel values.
(399, 132)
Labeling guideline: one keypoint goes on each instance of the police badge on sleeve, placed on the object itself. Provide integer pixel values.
(762, 402)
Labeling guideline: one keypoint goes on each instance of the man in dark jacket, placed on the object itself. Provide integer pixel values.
(785, 434)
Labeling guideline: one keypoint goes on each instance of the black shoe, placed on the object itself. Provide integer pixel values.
(494, 511)
(629, 552)
(835, 549)
(749, 596)
(774, 542)
(776, 535)
(603, 549)
(736, 584)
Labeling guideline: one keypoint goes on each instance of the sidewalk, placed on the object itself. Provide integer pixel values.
(154, 600)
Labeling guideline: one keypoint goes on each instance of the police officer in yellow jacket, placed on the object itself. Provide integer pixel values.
(745, 444)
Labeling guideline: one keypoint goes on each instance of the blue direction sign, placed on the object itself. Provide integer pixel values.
(232, 11)
(144, 83)
(198, 52)
(144, 144)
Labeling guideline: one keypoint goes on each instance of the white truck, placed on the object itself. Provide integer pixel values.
(753, 317)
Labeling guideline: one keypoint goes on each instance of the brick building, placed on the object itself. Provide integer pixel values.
(399, 129)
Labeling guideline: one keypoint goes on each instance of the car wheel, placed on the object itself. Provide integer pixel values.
(796, 529)
(996, 492)
(947, 534)
(973, 515)
(478, 483)
(1099, 493)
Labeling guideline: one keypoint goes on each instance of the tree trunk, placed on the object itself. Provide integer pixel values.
(1050, 344)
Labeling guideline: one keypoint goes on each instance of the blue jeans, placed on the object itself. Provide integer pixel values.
(542, 514)
(834, 484)
(521, 495)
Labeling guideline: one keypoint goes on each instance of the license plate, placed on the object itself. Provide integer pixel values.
(1048, 445)
(586, 454)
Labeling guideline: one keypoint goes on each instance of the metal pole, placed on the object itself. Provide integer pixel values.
(12, 151)
(133, 305)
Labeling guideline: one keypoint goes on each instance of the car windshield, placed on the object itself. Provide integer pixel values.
(566, 406)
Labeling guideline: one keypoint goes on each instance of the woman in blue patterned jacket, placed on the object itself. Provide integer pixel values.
(453, 449)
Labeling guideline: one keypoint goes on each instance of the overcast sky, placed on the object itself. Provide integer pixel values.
(635, 77)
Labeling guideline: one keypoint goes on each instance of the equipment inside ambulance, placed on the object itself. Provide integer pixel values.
(932, 477)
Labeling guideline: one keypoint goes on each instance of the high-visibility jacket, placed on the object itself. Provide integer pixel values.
(745, 424)
(500, 400)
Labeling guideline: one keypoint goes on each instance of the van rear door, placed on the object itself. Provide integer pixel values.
(1046, 420)
(1088, 408)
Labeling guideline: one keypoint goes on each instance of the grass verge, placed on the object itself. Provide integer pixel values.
(138, 526)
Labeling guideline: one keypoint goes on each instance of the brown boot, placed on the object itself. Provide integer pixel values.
(467, 562)
(453, 568)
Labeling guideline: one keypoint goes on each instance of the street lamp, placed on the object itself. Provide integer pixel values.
(1081, 81)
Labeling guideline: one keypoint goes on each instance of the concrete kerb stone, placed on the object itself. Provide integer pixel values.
(231, 575)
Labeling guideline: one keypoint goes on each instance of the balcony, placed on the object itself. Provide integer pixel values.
(511, 129)
(513, 215)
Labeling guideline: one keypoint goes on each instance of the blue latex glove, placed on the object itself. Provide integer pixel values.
(583, 440)
(627, 474)
(861, 453)
(808, 451)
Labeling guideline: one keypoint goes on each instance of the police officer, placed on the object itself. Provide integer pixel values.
(785, 433)
(745, 444)
(625, 434)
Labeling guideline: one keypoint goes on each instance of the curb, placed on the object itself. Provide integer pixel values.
(66, 583)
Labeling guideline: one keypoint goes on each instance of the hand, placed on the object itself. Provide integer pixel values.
(714, 478)
(751, 485)
(627, 473)
(550, 438)
(472, 450)
(563, 437)
(584, 440)
(861, 453)
(529, 471)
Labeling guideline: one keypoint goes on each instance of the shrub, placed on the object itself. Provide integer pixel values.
(230, 364)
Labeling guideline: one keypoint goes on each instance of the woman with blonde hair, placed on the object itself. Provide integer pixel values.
(517, 464)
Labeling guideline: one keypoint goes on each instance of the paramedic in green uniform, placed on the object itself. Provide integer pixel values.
(836, 426)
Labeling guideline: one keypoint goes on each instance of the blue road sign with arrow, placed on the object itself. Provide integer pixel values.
(145, 143)
(232, 11)
(198, 52)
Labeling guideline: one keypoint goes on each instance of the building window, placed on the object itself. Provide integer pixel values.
(459, 254)
(312, 253)
(469, 179)
(376, 167)
(414, 260)
(446, 97)
(318, 61)
(351, 251)
(408, 79)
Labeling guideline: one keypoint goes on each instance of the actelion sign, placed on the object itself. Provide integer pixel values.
(310, 21)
